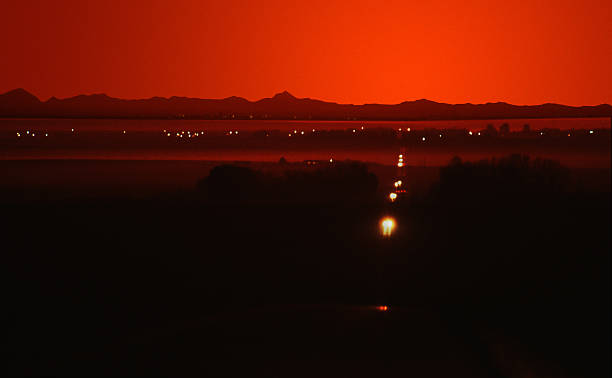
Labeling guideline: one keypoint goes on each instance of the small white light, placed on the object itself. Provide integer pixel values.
(423, 139)
(590, 131)
(470, 133)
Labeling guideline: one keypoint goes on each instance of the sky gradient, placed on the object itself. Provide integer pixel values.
(522, 52)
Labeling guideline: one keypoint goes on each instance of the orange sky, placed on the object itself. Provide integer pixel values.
(523, 52)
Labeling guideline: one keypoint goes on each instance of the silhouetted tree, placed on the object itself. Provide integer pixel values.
(515, 177)
(490, 130)
(504, 129)
(526, 128)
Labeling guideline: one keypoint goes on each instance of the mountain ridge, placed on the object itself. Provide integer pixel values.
(20, 103)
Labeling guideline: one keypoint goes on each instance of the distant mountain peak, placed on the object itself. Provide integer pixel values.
(21, 94)
(284, 95)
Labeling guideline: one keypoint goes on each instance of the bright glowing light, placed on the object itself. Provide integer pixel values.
(387, 226)
(382, 308)
(46, 134)
(392, 196)
(295, 131)
(231, 132)
(568, 135)
(33, 134)
(590, 131)
(399, 182)
(72, 130)
(124, 131)
(331, 160)
(313, 130)
(401, 156)
(479, 133)
(423, 139)
(27, 132)
(302, 133)
(353, 130)
(470, 133)
(400, 164)
(440, 135)
(399, 129)
(361, 127)
(168, 134)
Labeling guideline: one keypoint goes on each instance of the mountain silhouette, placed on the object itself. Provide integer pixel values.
(20, 103)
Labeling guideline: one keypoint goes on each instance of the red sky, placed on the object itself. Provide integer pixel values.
(523, 52)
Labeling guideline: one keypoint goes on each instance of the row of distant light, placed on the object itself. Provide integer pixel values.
(29, 133)
(189, 134)
(295, 132)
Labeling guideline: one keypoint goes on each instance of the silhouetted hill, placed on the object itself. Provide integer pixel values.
(20, 103)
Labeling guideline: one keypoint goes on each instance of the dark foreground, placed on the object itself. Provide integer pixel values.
(478, 280)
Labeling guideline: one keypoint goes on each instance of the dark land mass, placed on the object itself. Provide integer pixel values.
(497, 268)
(20, 103)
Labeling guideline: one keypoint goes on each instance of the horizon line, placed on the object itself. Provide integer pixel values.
(289, 94)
